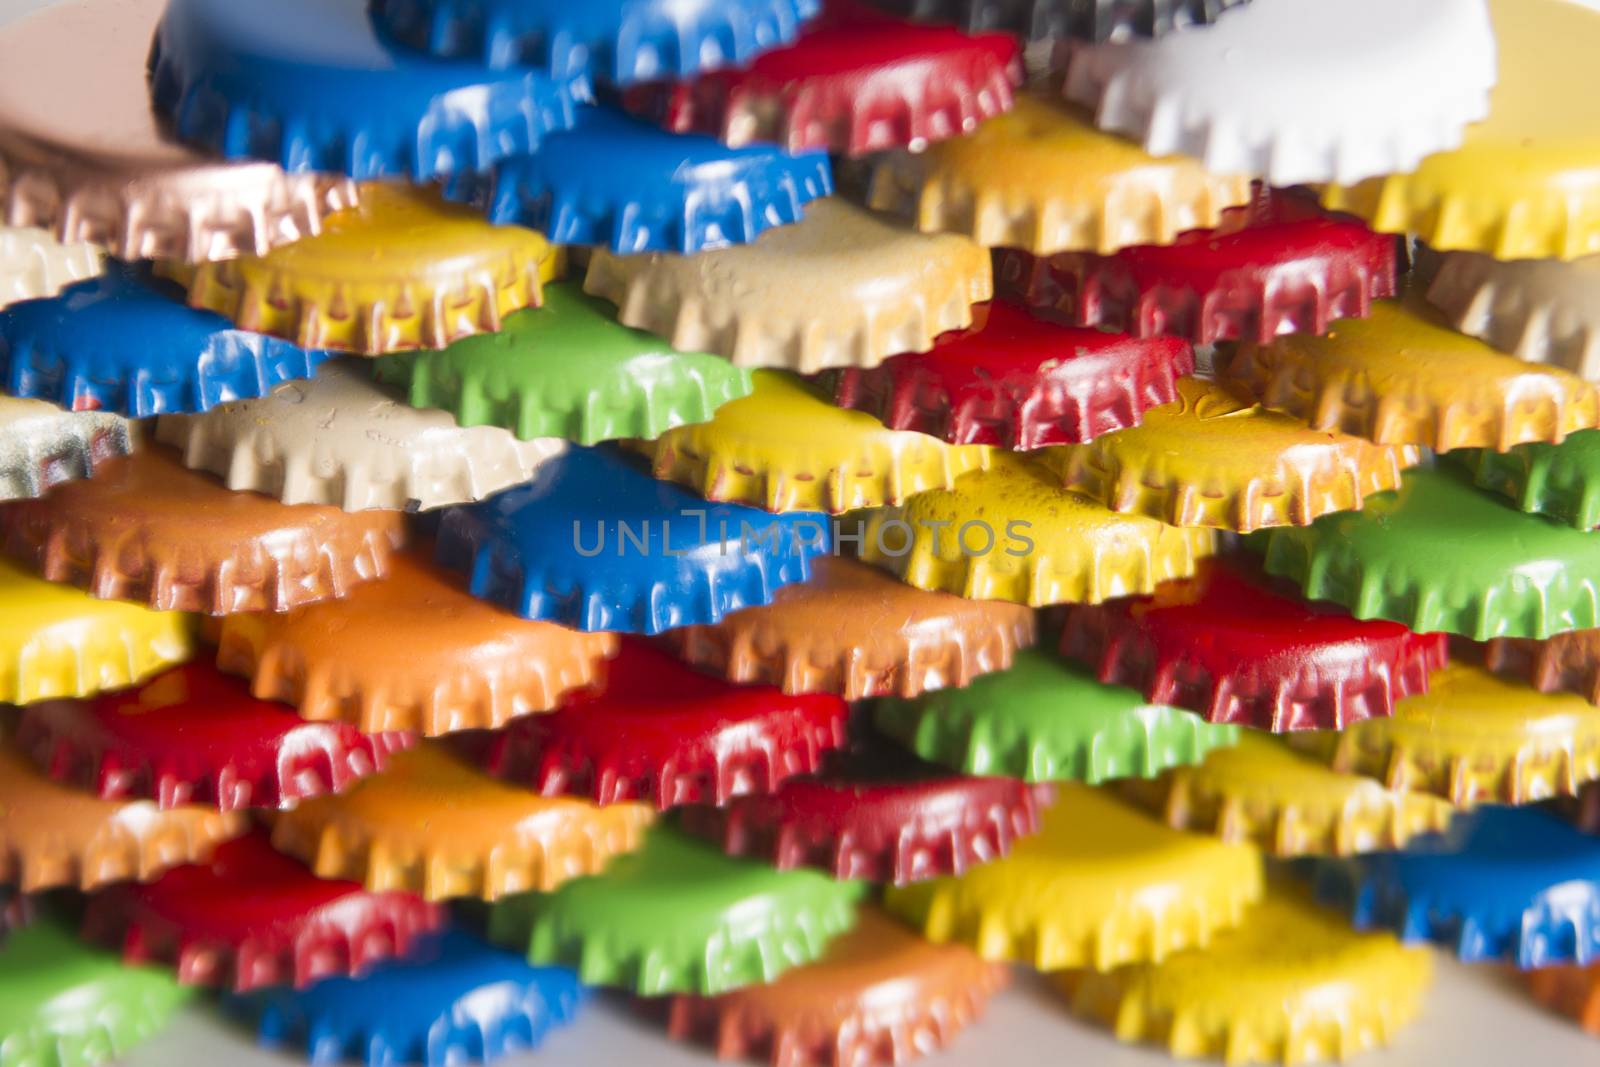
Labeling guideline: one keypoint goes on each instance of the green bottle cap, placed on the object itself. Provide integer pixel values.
(567, 369)
(679, 916)
(1047, 720)
(1440, 555)
(1561, 481)
(63, 1004)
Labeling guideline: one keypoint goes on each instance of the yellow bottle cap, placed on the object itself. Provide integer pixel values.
(787, 448)
(1012, 533)
(1041, 177)
(1473, 738)
(404, 269)
(1403, 376)
(435, 825)
(1525, 183)
(57, 641)
(1099, 886)
(1292, 984)
(1263, 792)
(1215, 458)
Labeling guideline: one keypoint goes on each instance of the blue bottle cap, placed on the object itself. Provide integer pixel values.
(312, 85)
(1519, 884)
(453, 999)
(619, 41)
(621, 181)
(125, 342)
(595, 543)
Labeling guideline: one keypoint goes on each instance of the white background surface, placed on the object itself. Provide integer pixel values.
(1475, 1017)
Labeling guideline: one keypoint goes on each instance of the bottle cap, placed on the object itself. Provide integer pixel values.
(1015, 380)
(314, 85)
(55, 836)
(1403, 376)
(1583, 810)
(1262, 792)
(681, 193)
(1475, 738)
(878, 815)
(567, 369)
(194, 736)
(1056, 546)
(1299, 92)
(57, 642)
(856, 81)
(124, 342)
(1523, 184)
(879, 994)
(1100, 885)
(413, 651)
(451, 999)
(33, 264)
(144, 528)
(655, 730)
(1216, 458)
(1237, 647)
(344, 440)
(611, 42)
(1040, 21)
(1010, 723)
(1292, 984)
(1042, 179)
(868, 290)
(253, 917)
(16, 911)
(42, 446)
(1441, 556)
(785, 447)
(1561, 481)
(593, 542)
(1516, 884)
(1572, 990)
(1539, 310)
(678, 916)
(1280, 264)
(855, 631)
(432, 824)
(1567, 662)
(68, 1005)
(86, 157)
(403, 269)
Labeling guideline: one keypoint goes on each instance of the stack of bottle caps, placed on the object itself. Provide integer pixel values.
(793, 511)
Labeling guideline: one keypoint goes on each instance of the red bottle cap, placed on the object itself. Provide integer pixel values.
(657, 730)
(194, 735)
(878, 815)
(1021, 381)
(1236, 647)
(1278, 265)
(856, 81)
(254, 917)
